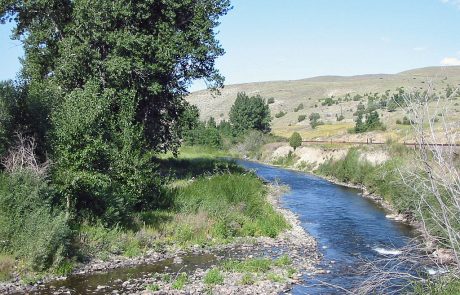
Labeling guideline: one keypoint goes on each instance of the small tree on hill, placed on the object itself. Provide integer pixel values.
(295, 140)
(314, 120)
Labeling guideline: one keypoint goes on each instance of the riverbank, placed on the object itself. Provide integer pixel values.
(292, 242)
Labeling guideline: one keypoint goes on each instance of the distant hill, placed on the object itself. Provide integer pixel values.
(311, 91)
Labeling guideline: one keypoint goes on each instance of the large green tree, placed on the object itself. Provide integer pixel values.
(250, 112)
(116, 73)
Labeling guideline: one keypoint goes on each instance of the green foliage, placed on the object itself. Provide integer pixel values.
(329, 101)
(372, 122)
(204, 135)
(271, 100)
(295, 140)
(30, 230)
(211, 123)
(283, 260)
(340, 118)
(301, 118)
(315, 120)
(7, 100)
(65, 267)
(153, 54)
(286, 161)
(213, 277)
(299, 107)
(102, 169)
(222, 198)
(180, 281)
(440, 286)
(275, 278)
(250, 112)
(101, 93)
(280, 114)
(383, 179)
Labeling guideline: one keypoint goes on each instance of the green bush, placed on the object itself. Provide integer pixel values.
(102, 168)
(301, 118)
(280, 114)
(30, 230)
(250, 112)
(299, 107)
(315, 120)
(295, 140)
(204, 135)
(286, 161)
(7, 97)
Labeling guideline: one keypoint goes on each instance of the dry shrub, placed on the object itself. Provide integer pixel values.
(22, 157)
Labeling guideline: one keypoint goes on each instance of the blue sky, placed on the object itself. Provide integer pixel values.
(295, 39)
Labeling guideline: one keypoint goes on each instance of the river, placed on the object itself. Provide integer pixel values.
(347, 227)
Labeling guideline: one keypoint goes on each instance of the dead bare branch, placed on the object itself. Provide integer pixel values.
(22, 157)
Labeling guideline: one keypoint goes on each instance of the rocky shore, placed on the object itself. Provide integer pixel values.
(294, 243)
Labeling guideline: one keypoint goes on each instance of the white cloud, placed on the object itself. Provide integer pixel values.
(452, 2)
(450, 61)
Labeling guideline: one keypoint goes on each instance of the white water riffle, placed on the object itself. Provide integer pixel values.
(384, 251)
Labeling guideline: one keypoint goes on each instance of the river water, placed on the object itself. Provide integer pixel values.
(347, 227)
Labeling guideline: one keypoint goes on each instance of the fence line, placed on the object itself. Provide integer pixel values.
(377, 143)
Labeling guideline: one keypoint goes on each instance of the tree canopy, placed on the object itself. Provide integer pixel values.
(106, 81)
(295, 140)
(250, 112)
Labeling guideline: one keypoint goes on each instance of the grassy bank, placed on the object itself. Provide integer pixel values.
(206, 201)
(209, 201)
(208, 210)
(383, 179)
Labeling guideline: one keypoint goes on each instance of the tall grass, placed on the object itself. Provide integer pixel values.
(215, 207)
(236, 203)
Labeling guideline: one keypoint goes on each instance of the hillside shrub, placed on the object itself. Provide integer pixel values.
(301, 118)
(280, 114)
(299, 107)
(315, 120)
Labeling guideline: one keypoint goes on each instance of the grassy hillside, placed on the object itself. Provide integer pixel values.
(312, 92)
